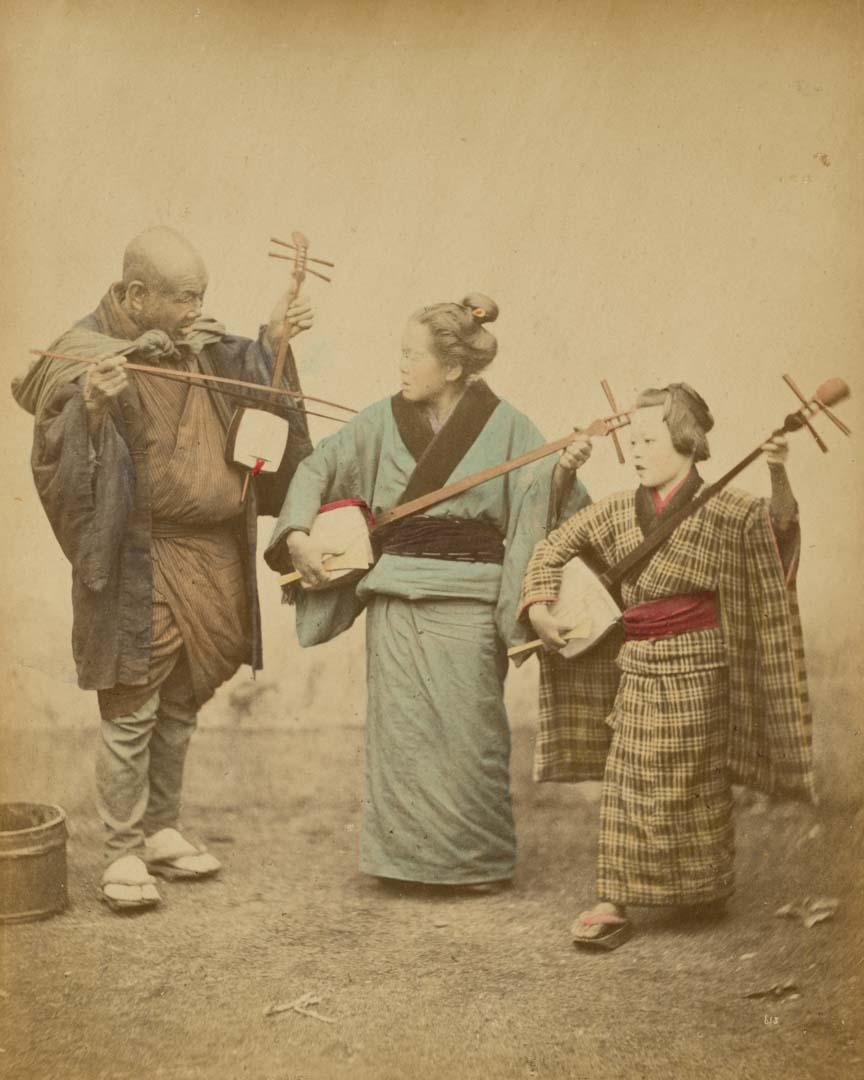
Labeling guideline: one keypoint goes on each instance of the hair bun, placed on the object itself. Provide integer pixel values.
(483, 308)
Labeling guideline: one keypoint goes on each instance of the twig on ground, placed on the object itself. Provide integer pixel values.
(301, 1006)
(810, 911)
(785, 991)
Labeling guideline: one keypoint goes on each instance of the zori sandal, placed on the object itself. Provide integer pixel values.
(127, 886)
(601, 928)
(168, 854)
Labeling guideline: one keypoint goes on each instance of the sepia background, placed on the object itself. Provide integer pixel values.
(650, 191)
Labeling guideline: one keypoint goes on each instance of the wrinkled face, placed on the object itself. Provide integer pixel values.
(176, 305)
(658, 464)
(423, 377)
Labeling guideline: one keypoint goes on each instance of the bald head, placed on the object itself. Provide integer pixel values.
(160, 255)
(164, 280)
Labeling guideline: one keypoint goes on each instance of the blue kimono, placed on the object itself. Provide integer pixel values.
(440, 613)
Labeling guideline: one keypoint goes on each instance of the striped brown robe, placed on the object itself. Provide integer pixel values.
(691, 713)
(199, 588)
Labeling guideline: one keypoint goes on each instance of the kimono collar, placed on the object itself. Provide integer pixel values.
(648, 516)
(437, 455)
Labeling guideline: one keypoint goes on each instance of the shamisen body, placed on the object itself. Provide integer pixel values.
(441, 600)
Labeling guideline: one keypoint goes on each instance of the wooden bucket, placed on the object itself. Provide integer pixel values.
(32, 861)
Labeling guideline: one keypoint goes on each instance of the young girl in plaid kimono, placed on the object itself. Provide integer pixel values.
(710, 681)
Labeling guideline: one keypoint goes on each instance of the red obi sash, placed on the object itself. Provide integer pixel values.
(671, 615)
(367, 513)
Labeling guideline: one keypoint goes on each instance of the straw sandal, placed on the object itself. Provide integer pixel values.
(168, 854)
(126, 885)
(601, 928)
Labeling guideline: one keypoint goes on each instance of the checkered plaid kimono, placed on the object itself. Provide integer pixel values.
(670, 723)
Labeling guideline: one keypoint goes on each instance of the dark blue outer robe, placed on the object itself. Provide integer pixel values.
(99, 507)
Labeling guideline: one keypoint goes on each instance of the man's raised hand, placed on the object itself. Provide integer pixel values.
(295, 319)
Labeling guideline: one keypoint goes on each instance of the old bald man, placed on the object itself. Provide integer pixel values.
(132, 473)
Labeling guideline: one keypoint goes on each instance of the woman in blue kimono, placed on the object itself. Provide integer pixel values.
(441, 600)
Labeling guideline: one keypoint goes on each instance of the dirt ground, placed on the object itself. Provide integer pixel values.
(419, 985)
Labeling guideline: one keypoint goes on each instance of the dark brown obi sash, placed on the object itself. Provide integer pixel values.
(454, 539)
(671, 615)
